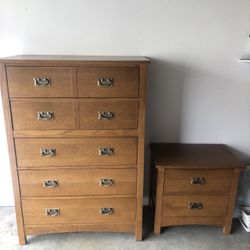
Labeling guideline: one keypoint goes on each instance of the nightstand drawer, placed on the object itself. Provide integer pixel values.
(77, 182)
(78, 210)
(108, 81)
(40, 81)
(197, 181)
(68, 152)
(43, 114)
(194, 205)
(108, 114)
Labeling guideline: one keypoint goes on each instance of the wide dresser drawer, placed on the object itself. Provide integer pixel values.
(108, 81)
(42, 211)
(68, 152)
(195, 205)
(77, 182)
(41, 114)
(40, 81)
(197, 181)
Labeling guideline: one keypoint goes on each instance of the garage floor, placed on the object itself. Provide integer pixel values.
(174, 238)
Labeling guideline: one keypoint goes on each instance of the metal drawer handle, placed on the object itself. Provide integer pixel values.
(104, 82)
(198, 180)
(195, 205)
(106, 151)
(52, 211)
(106, 182)
(47, 152)
(106, 211)
(45, 115)
(103, 115)
(50, 184)
(42, 82)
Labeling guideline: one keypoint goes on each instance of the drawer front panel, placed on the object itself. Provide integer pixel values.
(108, 81)
(78, 182)
(76, 152)
(108, 115)
(197, 181)
(41, 114)
(195, 205)
(78, 210)
(40, 81)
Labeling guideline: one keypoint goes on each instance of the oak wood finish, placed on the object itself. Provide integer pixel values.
(77, 134)
(125, 81)
(76, 182)
(78, 210)
(84, 151)
(176, 165)
(21, 81)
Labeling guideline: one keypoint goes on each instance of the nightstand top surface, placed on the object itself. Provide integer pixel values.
(176, 155)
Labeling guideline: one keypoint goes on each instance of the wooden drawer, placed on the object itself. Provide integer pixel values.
(78, 210)
(124, 81)
(197, 181)
(21, 81)
(77, 182)
(43, 114)
(76, 151)
(108, 114)
(178, 205)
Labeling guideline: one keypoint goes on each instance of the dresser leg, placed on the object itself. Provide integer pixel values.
(22, 239)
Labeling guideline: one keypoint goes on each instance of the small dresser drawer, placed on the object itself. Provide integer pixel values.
(197, 181)
(195, 205)
(76, 152)
(40, 81)
(41, 114)
(78, 210)
(108, 81)
(108, 115)
(77, 182)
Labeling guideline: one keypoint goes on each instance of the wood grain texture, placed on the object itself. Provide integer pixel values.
(140, 152)
(12, 155)
(179, 181)
(196, 220)
(76, 152)
(125, 81)
(159, 201)
(24, 114)
(78, 182)
(78, 210)
(232, 197)
(64, 228)
(75, 133)
(21, 81)
(195, 156)
(178, 205)
(125, 114)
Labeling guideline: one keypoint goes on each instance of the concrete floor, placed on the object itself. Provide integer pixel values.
(173, 238)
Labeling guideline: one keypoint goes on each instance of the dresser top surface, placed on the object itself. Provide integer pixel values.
(176, 155)
(74, 59)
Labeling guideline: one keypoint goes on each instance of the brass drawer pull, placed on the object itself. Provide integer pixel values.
(45, 115)
(106, 182)
(106, 211)
(106, 151)
(50, 184)
(42, 82)
(104, 82)
(103, 115)
(195, 205)
(47, 152)
(198, 180)
(52, 211)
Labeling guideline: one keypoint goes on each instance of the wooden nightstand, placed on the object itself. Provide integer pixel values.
(194, 184)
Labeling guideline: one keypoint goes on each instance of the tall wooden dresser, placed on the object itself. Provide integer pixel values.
(75, 128)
